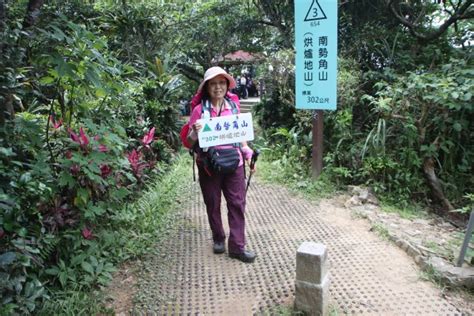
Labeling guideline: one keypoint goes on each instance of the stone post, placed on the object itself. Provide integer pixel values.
(312, 279)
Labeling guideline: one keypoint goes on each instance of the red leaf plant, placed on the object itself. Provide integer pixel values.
(87, 233)
(59, 214)
(75, 169)
(81, 139)
(56, 124)
(148, 137)
(103, 148)
(105, 170)
(137, 166)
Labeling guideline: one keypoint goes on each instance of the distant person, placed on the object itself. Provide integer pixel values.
(184, 107)
(216, 101)
(251, 88)
(243, 87)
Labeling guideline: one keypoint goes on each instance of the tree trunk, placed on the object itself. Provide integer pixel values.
(3, 21)
(434, 184)
(6, 109)
(32, 13)
(3, 14)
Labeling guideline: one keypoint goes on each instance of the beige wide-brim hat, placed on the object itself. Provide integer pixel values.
(214, 72)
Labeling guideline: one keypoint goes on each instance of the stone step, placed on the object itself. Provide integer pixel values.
(246, 108)
(247, 104)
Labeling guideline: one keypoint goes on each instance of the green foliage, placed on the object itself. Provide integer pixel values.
(286, 160)
(81, 73)
(381, 230)
(74, 301)
(77, 143)
(277, 106)
(142, 222)
(426, 114)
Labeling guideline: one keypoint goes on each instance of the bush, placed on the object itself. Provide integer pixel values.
(54, 198)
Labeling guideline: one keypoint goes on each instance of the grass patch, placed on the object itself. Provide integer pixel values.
(430, 274)
(296, 180)
(75, 302)
(146, 220)
(285, 310)
(281, 310)
(381, 230)
(406, 212)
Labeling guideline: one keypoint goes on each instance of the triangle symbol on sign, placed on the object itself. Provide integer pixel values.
(207, 128)
(315, 12)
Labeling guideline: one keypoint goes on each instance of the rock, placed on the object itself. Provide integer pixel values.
(413, 233)
(353, 201)
(373, 200)
(364, 195)
(422, 222)
(458, 276)
(413, 251)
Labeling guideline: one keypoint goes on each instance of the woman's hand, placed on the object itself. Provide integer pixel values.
(252, 170)
(193, 133)
(197, 127)
(248, 154)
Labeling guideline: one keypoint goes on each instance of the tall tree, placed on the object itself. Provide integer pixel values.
(279, 14)
(32, 13)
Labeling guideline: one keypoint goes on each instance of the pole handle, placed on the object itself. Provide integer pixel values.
(255, 155)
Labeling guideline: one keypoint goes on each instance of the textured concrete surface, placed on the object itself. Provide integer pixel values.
(369, 276)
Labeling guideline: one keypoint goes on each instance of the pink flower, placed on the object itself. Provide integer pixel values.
(148, 138)
(96, 137)
(56, 124)
(68, 154)
(87, 233)
(105, 170)
(103, 148)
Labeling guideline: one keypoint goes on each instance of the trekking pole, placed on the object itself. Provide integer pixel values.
(252, 165)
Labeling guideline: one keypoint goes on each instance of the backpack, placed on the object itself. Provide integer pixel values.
(195, 101)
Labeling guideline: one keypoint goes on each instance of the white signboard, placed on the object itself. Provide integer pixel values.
(224, 130)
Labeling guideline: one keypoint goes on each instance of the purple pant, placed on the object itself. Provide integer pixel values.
(233, 188)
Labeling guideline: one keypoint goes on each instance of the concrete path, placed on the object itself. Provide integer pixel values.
(369, 276)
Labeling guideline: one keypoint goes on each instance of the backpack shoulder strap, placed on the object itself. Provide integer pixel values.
(206, 106)
(235, 110)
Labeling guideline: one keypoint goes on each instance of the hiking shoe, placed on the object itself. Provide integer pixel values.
(218, 247)
(246, 256)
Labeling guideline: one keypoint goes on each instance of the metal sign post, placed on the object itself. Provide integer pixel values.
(317, 153)
(467, 238)
(316, 65)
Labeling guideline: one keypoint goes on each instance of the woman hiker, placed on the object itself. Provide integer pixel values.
(216, 102)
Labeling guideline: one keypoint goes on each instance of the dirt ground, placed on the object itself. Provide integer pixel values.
(369, 274)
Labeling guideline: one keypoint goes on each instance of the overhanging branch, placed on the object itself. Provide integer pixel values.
(461, 12)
